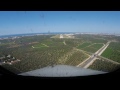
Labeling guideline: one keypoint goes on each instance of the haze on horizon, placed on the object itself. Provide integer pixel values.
(17, 22)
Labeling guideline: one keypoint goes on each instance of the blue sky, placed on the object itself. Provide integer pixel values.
(17, 22)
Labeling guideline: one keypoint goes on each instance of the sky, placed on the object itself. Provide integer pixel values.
(19, 22)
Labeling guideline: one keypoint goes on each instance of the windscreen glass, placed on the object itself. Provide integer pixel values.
(60, 43)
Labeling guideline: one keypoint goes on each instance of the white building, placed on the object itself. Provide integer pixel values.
(61, 36)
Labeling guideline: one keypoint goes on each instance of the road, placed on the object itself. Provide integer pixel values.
(93, 57)
(64, 43)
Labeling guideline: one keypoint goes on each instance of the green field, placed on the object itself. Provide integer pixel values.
(112, 52)
(11, 68)
(40, 45)
(98, 41)
(93, 48)
(84, 45)
(49, 51)
(107, 52)
(76, 58)
(97, 46)
(92, 38)
(103, 65)
(73, 42)
(32, 59)
(46, 52)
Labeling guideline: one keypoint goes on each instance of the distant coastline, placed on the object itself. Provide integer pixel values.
(31, 34)
(50, 33)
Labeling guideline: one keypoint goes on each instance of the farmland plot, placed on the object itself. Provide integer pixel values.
(93, 48)
(104, 65)
(112, 52)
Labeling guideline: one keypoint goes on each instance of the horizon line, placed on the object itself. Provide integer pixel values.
(62, 32)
